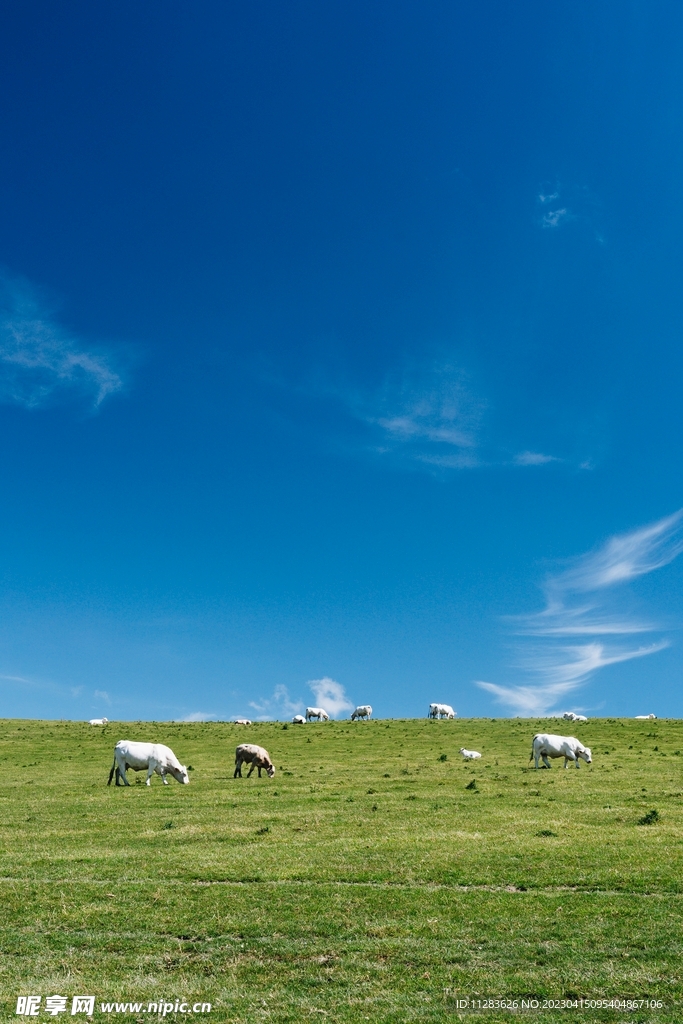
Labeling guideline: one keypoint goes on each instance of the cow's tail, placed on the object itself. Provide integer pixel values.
(111, 773)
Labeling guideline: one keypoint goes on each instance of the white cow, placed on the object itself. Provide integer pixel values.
(257, 757)
(545, 745)
(242, 721)
(645, 718)
(318, 713)
(470, 755)
(441, 711)
(154, 757)
(299, 720)
(362, 711)
(570, 716)
(98, 721)
(580, 718)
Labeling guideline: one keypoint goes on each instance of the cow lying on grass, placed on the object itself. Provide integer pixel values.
(545, 745)
(257, 757)
(470, 755)
(154, 757)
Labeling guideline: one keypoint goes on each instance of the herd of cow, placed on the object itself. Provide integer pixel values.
(156, 757)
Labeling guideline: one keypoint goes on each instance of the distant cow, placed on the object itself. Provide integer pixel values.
(645, 718)
(570, 716)
(98, 721)
(298, 720)
(257, 757)
(242, 721)
(154, 757)
(362, 711)
(545, 745)
(318, 713)
(470, 755)
(441, 711)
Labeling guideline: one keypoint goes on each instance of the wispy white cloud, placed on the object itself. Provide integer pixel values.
(331, 696)
(278, 705)
(199, 716)
(429, 415)
(533, 459)
(553, 218)
(577, 605)
(623, 558)
(40, 359)
(434, 416)
(102, 695)
(17, 679)
(565, 203)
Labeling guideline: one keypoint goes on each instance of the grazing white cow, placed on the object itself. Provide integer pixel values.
(645, 718)
(470, 755)
(570, 716)
(98, 721)
(580, 718)
(362, 711)
(318, 713)
(242, 721)
(545, 745)
(154, 757)
(298, 720)
(257, 757)
(441, 711)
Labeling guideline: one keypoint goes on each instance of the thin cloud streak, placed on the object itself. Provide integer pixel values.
(533, 459)
(40, 360)
(432, 416)
(562, 668)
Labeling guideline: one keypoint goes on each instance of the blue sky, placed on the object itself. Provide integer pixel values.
(340, 358)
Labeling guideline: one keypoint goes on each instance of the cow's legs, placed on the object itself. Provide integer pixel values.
(259, 771)
(238, 770)
(151, 768)
(111, 774)
(546, 762)
(251, 770)
(121, 767)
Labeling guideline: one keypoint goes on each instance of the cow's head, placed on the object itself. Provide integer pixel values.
(180, 774)
(585, 753)
(271, 770)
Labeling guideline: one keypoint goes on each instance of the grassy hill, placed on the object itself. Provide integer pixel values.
(376, 877)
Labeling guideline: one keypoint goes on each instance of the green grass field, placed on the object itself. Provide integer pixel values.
(368, 881)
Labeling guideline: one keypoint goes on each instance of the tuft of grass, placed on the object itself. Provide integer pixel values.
(169, 824)
(546, 833)
(650, 818)
(472, 784)
(443, 757)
